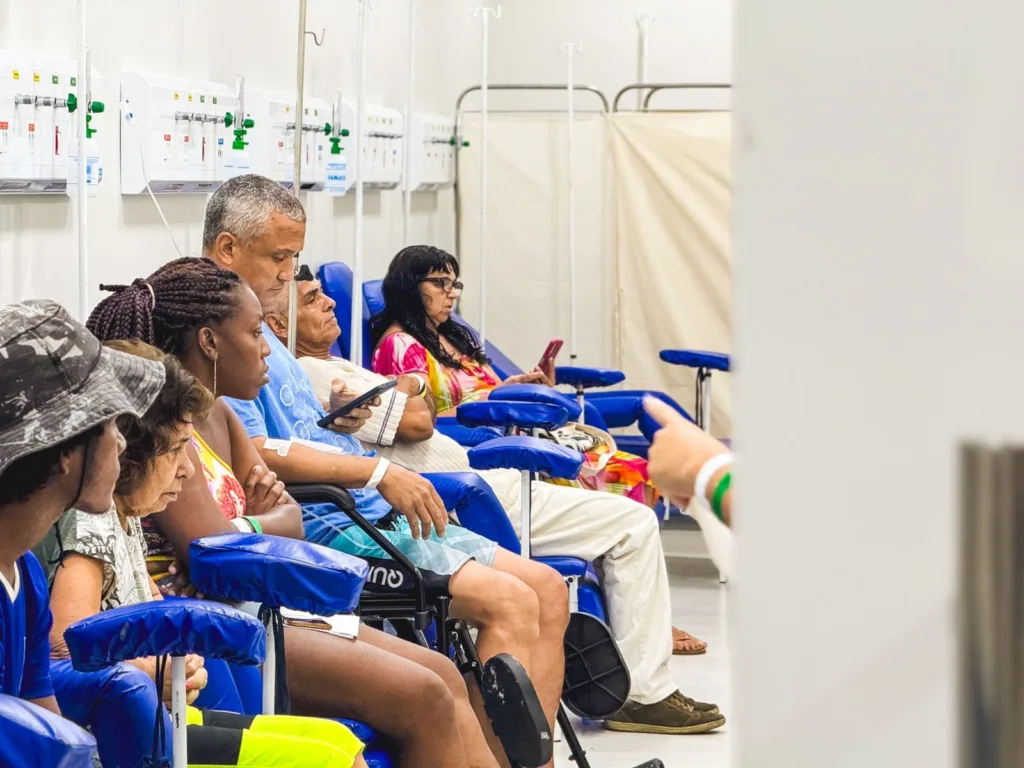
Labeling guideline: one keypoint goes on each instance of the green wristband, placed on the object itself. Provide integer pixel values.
(259, 528)
(720, 490)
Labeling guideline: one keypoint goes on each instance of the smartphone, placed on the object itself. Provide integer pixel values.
(550, 354)
(358, 402)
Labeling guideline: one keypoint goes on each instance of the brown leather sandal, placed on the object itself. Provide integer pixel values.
(685, 644)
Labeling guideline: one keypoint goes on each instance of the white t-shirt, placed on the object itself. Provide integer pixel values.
(439, 453)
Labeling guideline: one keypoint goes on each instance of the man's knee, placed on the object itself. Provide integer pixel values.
(553, 596)
(511, 603)
(425, 691)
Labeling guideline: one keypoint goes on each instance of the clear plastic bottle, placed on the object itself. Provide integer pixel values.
(336, 170)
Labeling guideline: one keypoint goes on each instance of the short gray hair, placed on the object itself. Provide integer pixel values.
(242, 206)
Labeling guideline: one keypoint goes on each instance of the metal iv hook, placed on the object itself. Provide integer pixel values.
(318, 40)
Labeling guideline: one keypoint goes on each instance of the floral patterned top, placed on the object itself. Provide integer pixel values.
(400, 353)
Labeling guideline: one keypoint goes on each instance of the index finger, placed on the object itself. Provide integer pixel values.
(661, 412)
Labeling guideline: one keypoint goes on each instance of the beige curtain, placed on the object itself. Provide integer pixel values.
(672, 247)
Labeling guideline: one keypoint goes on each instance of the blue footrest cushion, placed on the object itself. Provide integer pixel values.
(497, 413)
(527, 453)
(585, 378)
(536, 393)
(464, 436)
(567, 566)
(34, 737)
(166, 627)
(695, 358)
(277, 572)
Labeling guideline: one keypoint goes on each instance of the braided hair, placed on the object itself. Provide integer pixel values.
(168, 307)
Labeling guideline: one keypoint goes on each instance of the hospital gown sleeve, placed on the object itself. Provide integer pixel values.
(251, 414)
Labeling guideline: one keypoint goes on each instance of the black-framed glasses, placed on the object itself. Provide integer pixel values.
(446, 284)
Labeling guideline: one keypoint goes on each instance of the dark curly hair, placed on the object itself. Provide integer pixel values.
(168, 307)
(404, 305)
(181, 399)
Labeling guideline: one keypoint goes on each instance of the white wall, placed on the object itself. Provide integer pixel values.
(213, 40)
(877, 236)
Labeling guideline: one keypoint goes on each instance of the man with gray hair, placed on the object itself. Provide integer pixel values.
(256, 228)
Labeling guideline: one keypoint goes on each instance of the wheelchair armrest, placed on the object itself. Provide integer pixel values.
(477, 508)
(464, 436)
(536, 393)
(277, 572)
(34, 737)
(588, 378)
(496, 413)
(693, 358)
(313, 493)
(165, 628)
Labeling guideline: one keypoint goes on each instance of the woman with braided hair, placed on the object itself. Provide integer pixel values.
(212, 322)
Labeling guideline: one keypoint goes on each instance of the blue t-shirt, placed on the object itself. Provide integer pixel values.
(287, 407)
(25, 625)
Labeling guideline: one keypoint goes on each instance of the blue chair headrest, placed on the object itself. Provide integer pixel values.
(336, 280)
(277, 572)
(536, 393)
(497, 413)
(586, 378)
(166, 627)
(527, 453)
(34, 737)
(373, 293)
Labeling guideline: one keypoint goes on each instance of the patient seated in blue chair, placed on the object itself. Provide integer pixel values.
(619, 534)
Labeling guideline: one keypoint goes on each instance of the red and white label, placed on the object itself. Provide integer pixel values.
(31, 127)
(167, 137)
(186, 139)
(4, 125)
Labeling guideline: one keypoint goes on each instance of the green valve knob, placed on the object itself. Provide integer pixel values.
(97, 106)
(327, 127)
(344, 132)
(335, 146)
(465, 143)
(248, 123)
(72, 102)
(239, 133)
(229, 119)
(452, 141)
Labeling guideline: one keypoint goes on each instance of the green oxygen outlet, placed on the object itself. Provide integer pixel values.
(72, 102)
(335, 146)
(239, 135)
(89, 131)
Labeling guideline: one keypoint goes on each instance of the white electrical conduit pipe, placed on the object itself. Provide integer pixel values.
(356, 340)
(406, 147)
(643, 24)
(83, 193)
(484, 14)
(571, 48)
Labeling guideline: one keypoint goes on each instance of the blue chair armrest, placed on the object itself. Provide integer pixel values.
(694, 358)
(33, 737)
(159, 628)
(496, 413)
(277, 572)
(477, 508)
(536, 393)
(464, 436)
(587, 378)
(527, 453)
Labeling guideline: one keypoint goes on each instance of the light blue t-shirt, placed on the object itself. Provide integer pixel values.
(287, 407)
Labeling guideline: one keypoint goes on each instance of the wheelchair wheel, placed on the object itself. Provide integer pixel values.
(514, 710)
(597, 681)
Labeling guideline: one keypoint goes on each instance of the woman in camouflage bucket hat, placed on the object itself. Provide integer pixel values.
(60, 391)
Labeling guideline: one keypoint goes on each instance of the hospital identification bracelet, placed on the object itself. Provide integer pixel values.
(711, 466)
(378, 474)
(719, 495)
(423, 384)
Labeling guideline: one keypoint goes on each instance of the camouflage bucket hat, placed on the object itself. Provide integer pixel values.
(57, 380)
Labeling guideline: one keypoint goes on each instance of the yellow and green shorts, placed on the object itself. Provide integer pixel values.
(226, 740)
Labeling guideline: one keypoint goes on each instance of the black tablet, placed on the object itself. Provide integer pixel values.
(358, 402)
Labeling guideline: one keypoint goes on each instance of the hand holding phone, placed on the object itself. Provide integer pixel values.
(548, 358)
(357, 402)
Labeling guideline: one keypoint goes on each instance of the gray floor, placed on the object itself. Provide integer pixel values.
(699, 607)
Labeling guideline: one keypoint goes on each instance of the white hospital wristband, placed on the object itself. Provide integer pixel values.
(711, 466)
(378, 474)
(243, 525)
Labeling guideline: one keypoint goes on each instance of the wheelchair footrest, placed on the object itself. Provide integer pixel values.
(655, 763)
(514, 710)
(597, 681)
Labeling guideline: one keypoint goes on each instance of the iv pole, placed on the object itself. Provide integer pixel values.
(293, 289)
(406, 148)
(571, 49)
(643, 26)
(356, 341)
(484, 14)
